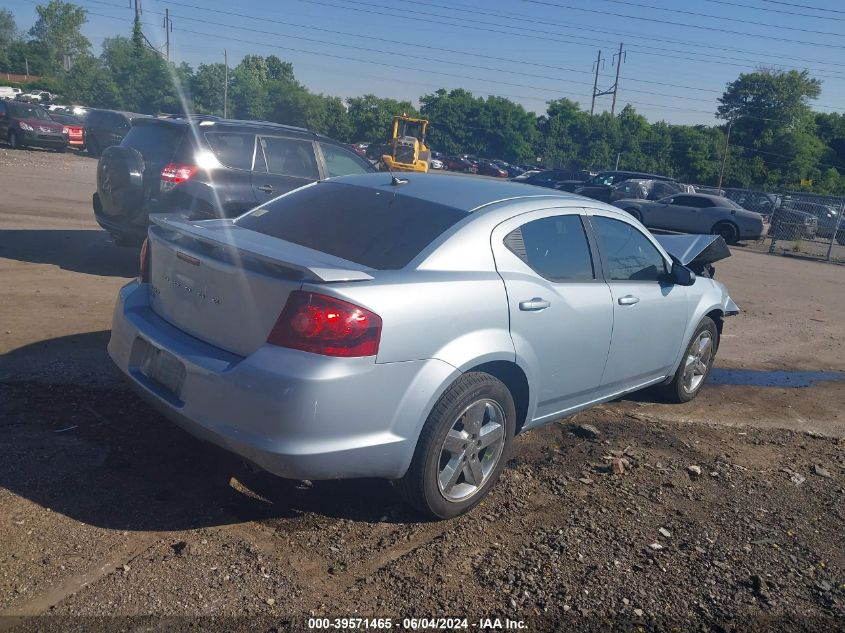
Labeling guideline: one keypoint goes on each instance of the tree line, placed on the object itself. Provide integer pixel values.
(776, 139)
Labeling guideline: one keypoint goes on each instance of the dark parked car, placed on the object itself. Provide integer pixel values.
(826, 214)
(457, 163)
(29, 125)
(600, 186)
(646, 189)
(104, 128)
(548, 178)
(759, 201)
(74, 127)
(488, 168)
(791, 224)
(221, 168)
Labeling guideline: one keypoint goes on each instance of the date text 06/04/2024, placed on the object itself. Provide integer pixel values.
(415, 624)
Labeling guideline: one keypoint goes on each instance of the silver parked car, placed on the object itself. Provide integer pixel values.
(371, 326)
(697, 213)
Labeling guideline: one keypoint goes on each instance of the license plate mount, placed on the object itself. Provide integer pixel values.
(164, 369)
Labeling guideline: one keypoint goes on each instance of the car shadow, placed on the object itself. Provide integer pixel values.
(92, 252)
(98, 454)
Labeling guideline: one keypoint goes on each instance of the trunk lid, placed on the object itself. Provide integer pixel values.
(227, 285)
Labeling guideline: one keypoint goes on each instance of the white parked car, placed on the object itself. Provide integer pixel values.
(435, 164)
(7, 92)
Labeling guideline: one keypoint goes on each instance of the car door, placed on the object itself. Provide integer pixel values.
(233, 188)
(561, 311)
(649, 312)
(281, 165)
(674, 213)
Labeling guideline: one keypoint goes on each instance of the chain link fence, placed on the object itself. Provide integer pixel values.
(798, 223)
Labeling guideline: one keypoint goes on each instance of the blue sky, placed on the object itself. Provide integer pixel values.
(680, 54)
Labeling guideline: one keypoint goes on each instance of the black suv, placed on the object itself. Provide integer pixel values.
(207, 167)
(104, 128)
(600, 186)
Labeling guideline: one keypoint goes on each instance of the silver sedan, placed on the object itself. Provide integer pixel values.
(697, 213)
(408, 329)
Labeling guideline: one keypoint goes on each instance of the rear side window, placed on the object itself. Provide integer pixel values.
(630, 255)
(555, 248)
(233, 149)
(160, 143)
(340, 162)
(383, 230)
(290, 157)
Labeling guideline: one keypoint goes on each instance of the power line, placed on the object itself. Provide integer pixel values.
(683, 24)
(425, 70)
(770, 10)
(720, 17)
(536, 34)
(803, 6)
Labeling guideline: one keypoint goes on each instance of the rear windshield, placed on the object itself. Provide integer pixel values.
(167, 143)
(377, 229)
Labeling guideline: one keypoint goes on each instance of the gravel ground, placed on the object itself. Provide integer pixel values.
(725, 514)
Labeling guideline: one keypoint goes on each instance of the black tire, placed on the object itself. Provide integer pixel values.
(14, 141)
(634, 214)
(92, 146)
(61, 150)
(728, 231)
(419, 487)
(840, 238)
(677, 390)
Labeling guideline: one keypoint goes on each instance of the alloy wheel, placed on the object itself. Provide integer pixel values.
(471, 450)
(698, 361)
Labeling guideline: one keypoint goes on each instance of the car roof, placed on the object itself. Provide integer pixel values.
(209, 122)
(465, 193)
(643, 175)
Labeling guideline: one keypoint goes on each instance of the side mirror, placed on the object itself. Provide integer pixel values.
(681, 275)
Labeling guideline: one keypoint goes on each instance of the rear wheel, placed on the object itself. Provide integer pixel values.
(92, 146)
(728, 232)
(696, 363)
(635, 214)
(14, 141)
(463, 447)
(840, 238)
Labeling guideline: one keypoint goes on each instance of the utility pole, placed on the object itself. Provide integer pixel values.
(168, 29)
(138, 10)
(725, 155)
(26, 63)
(225, 84)
(619, 57)
(595, 84)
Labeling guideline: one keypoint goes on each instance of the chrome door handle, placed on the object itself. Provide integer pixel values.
(533, 305)
(266, 188)
(628, 300)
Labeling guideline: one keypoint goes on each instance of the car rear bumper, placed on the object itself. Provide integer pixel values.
(292, 413)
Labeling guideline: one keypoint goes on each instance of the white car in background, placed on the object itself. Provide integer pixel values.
(435, 164)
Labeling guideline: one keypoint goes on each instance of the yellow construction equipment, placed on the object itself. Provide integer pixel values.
(408, 151)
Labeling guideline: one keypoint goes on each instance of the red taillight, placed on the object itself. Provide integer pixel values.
(174, 173)
(324, 325)
(145, 262)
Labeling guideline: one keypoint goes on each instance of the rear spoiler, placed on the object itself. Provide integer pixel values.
(693, 250)
(316, 265)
